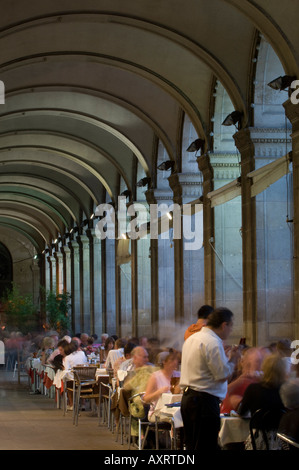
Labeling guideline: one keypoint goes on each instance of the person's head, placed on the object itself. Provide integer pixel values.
(67, 338)
(128, 348)
(104, 336)
(109, 343)
(275, 370)
(77, 340)
(84, 338)
(221, 321)
(61, 346)
(169, 361)
(204, 311)
(48, 343)
(289, 393)
(140, 356)
(143, 341)
(283, 347)
(71, 347)
(251, 361)
(120, 343)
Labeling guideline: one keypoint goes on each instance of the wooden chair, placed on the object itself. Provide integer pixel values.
(84, 387)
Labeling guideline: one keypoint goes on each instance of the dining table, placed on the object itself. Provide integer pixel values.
(233, 428)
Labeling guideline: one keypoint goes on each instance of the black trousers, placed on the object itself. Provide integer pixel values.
(201, 418)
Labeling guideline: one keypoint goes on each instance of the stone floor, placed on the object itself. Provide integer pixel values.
(33, 422)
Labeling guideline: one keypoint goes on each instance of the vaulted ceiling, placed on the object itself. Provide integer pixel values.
(91, 85)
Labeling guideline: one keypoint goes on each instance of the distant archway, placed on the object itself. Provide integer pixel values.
(6, 271)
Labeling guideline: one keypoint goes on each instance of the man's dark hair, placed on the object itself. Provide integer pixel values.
(204, 311)
(129, 347)
(218, 316)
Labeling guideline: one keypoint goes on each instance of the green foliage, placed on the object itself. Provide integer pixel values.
(57, 309)
(20, 312)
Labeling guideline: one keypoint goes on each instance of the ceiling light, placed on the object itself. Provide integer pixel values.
(281, 83)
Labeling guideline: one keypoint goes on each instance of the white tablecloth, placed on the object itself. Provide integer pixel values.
(173, 412)
(170, 412)
(233, 429)
(68, 375)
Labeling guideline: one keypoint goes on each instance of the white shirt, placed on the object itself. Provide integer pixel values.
(112, 357)
(74, 359)
(204, 365)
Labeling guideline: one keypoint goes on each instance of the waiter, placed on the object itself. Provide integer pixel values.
(205, 369)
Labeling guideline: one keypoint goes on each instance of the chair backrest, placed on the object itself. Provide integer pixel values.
(83, 373)
(264, 421)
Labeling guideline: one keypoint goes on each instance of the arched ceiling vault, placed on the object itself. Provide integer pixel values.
(90, 87)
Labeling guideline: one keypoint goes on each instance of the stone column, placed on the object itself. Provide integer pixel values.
(154, 273)
(175, 185)
(47, 273)
(76, 310)
(246, 148)
(36, 278)
(85, 292)
(53, 285)
(292, 113)
(206, 169)
(104, 286)
(67, 270)
(96, 284)
(134, 287)
(59, 271)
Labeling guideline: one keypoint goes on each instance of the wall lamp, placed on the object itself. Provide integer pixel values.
(281, 83)
(126, 193)
(198, 144)
(143, 182)
(165, 166)
(234, 118)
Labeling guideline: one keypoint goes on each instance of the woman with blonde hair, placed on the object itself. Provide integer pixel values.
(265, 393)
(265, 396)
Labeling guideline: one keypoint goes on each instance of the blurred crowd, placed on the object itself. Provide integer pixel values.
(264, 377)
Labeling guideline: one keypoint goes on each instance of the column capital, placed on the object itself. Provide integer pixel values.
(244, 141)
(150, 196)
(74, 244)
(93, 236)
(176, 188)
(66, 249)
(204, 165)
(84, 239)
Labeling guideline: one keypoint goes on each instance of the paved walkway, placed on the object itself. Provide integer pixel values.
(33, 422)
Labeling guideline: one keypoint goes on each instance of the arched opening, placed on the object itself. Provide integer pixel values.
(6, 270)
